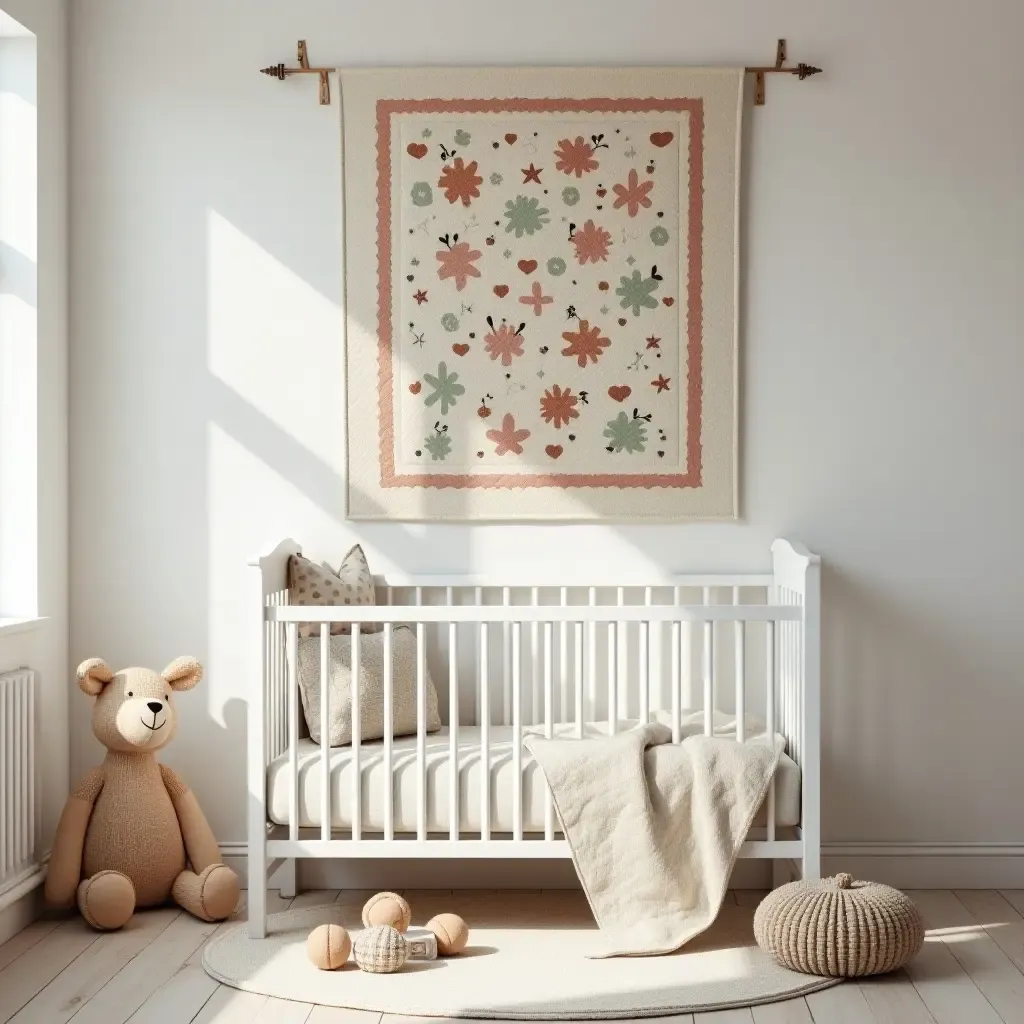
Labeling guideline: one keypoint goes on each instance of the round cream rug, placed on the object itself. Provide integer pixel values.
(527, 959)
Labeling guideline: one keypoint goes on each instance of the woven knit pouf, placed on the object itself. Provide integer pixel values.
(839, 928)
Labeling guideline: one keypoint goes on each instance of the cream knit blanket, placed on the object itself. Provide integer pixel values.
(654, 827)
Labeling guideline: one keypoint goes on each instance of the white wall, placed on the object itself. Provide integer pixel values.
(46, 647)
(882, 356)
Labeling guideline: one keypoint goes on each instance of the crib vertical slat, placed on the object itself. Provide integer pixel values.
(563, 658)
(708, 669)
(644, 645)
(549, 806)
(478, 600)
(293, 730)
(592, 659)
(325, 730)
(506, 674)
(421, 732)
(613, 677)
(517, 732)
(578, 658)
(535, 682)
(770, 720)
(676, 682)
(357, 729)
(453, 731)
(389, 739)
(741, 672)
(485, 737)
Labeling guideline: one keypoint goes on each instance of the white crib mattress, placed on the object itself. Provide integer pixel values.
(371, 755)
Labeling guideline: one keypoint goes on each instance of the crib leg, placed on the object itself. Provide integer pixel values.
(781, 873)
(257, 897)
(811, 865)
(288, 876)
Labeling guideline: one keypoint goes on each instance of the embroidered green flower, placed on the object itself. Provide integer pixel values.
(626, 433)
(496, 178)
(462, 137)
(439, 444)
(636, 291)
(659, 235)
(426, 133)
(525, 216)
(450, 322)
(446, 388)
(570, 195)
(556, 266)
(422, 194)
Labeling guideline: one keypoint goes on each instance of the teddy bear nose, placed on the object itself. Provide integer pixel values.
(155, 706)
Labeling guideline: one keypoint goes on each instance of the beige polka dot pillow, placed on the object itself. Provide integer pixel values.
(319, 585)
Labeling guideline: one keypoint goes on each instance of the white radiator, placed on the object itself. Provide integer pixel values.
(18, 846)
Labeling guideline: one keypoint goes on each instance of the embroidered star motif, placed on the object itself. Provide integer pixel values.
(630, 153)
(531, 173)
(604, 311)
(653, 342)
(630, 260)
(420, 297)
(661, 383)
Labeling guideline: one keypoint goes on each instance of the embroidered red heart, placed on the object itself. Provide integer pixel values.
(661, 139)
(554, 450)
(620, 392)
(602, 286)
(483, 412)
(416, 150)
(415, 387)
(511, 137)
(527, 266)
(501, 290)
(668, 300)
(459, 349)
(601, 193)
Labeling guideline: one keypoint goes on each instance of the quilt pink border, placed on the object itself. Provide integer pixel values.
(694, 348)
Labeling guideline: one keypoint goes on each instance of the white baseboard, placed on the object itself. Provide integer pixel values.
(904, 865)
(20, 908)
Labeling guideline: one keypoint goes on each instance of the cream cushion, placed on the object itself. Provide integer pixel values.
(371, 686)
(787, 784)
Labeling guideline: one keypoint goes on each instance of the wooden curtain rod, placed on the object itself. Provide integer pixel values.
(802, 71)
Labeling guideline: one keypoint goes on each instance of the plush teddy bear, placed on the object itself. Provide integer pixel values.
(131, 824)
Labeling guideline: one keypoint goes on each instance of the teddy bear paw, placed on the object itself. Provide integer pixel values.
(107, 900)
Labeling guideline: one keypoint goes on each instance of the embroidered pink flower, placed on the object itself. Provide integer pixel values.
(460, 181)
(586, 343)
(457, 262)
(504, 343)
(591, 243)
(537, 299)
(633, 195)
(558, 407)
(575, 157)
(508, 439)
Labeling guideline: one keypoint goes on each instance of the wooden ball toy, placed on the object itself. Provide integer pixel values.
(387, 908)
(328, 946)
(451, 932)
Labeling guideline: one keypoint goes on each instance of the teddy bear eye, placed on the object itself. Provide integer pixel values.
(167, 697)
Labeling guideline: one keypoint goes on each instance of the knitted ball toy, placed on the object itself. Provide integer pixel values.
(380, 950)
(839, 928)
(451, 932)
(328, 946)
(387, 908)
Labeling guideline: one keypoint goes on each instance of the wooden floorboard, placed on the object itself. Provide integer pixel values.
(971, 971)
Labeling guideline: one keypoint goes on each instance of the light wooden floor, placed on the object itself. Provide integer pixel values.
(969, 972)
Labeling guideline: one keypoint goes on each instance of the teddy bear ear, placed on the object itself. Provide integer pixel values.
(183, 673)
(93, 675)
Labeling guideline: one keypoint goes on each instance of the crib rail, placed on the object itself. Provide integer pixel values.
(569, 659)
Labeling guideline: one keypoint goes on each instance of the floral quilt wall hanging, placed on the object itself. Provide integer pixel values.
(540, 293)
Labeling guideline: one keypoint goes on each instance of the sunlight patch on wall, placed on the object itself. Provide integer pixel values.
(275, 340)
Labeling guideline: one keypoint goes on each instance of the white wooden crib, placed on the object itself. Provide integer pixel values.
(733, 653)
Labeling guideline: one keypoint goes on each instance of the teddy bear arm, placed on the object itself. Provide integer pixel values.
(65, 868)
(200, 844)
